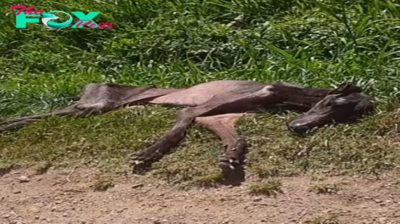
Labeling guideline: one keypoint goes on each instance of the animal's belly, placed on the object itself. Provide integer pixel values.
(203, 92)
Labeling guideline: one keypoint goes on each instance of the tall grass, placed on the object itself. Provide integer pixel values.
(180, 43)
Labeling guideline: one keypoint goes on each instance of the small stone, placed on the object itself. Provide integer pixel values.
(382, 220)
(120, 210)
(65, 215)
(137, 186)
(257, 199)
(23, 179)
(16, 192)
(34, 209)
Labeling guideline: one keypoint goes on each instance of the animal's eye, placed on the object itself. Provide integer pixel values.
(340, 101)
(330, 104)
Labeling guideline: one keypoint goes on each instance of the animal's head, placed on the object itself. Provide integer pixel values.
(343, 104)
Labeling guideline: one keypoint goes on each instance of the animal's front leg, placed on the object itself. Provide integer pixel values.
(141, 160)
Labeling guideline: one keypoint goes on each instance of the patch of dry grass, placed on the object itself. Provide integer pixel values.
(42, 167)
(268, 188)
(102, 182)
(325, 188)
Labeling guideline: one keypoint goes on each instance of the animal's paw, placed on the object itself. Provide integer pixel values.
(138, 163)
(228, 164)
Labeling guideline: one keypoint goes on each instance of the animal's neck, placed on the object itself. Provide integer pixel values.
(301, 97)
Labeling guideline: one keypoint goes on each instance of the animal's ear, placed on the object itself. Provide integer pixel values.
(366, 106)
(345, 89)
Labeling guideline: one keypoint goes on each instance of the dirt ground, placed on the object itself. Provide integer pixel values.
(67, 196)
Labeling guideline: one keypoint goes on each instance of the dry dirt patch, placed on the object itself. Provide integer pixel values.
(68, 196)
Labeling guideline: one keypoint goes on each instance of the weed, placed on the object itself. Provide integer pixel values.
(211, 180)
(102, 182)
(42, 167)
(6, 168)
(325, 188)
(268, 188)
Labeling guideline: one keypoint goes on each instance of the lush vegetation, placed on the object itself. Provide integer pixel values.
(184, 42)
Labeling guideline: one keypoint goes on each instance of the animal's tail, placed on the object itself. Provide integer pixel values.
(17, 123)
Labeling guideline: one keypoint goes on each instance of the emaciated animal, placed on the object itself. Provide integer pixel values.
(217, 105)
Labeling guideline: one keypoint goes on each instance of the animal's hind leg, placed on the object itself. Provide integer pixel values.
(235, 146)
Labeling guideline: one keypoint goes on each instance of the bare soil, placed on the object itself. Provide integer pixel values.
(67, 196)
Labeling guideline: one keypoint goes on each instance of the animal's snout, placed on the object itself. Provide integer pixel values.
(299, 127)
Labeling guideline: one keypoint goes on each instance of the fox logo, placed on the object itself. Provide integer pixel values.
(48, 16)
(28, 16)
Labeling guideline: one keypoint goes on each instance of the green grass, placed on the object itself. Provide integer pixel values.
(182, 43)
